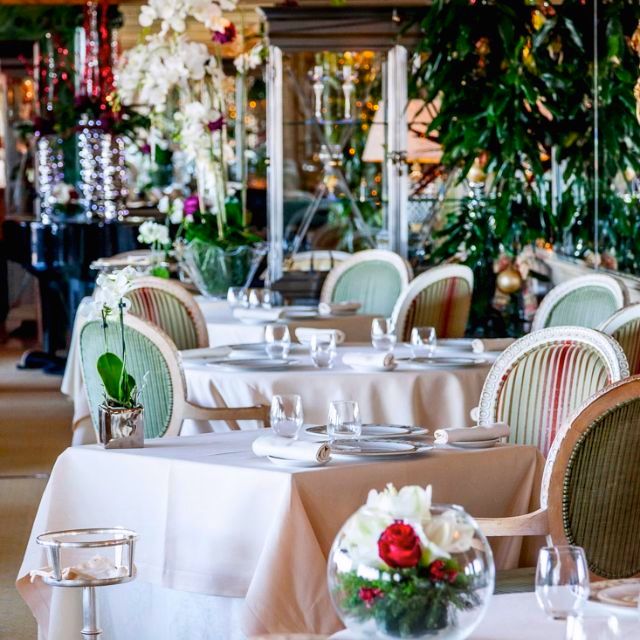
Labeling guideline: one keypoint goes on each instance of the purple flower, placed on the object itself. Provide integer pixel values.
(216, 125)
(146, 149)
(228, 35)
(191, 206)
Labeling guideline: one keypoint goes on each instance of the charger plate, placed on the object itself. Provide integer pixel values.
(374, 431)
(377, 448)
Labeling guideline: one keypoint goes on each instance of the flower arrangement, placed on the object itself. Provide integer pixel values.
(109, 301)
(157, 237)
(409, 567)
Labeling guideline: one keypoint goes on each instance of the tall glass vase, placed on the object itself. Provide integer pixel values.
(49, 171)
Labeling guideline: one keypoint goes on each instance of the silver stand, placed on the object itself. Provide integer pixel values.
(90, 628)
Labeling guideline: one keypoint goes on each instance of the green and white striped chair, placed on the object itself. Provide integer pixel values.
(590, 495)
(171, 307)
(374, 278)
(541, 378)
(624, 326)
(440, 298)
(586, 301)
(150, 352)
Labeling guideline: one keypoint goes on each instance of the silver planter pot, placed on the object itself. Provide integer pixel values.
(121, 428)
(103, 172)
(49, 162)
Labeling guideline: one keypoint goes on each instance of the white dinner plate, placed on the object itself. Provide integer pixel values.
(621, 593)
(377, 448)
(261, 347)
(375, 431)
(283, 462)
(478, 444)
(443, 361)
(253, 364)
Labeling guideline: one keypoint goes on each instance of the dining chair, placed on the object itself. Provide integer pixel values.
(171, 307)
(585, 301)
(374, 278)
(544, 376)
(439, 298)
(589, 494)
(153, 361)
(624, 326)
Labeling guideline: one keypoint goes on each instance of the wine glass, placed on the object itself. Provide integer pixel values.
(278, 341)
(423, 342)
(344, 420)
(383, 334)
(323, 349)
(562, 581)
(255, 298)
(286, 415)
(234, 296)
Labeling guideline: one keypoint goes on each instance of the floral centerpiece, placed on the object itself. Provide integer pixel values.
(404, 568)
(120, 414)
(157, 237)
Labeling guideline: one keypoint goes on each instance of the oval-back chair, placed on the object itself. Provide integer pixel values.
(440, 298)
(152, 360)
(374, 278)
(624, 326)
(590, 495)
(171, 307)
(585, 301)
(541, 378)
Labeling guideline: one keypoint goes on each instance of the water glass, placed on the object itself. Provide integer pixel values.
(562, 581)
(344, 420)
(383, 334)
(323, 349)
(235, 296)
(423, 342)
(278, 341)
(267, 298)
(286, 415)
(255, 298)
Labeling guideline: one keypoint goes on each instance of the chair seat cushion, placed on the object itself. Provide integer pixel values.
(515, 580)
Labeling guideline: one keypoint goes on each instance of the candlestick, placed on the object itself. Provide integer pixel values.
(347, 90)
(318, 89)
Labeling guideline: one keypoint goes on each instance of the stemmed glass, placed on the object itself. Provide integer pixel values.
(423, 342)
(562, 581)
(278, 341)
(383, 334)
(287, 415)
(344, 420)
(323, 349)
(235, 296)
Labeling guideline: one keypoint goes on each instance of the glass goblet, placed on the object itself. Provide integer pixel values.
(344, 420)
(286, 415)
(278, 341)
(383, 334)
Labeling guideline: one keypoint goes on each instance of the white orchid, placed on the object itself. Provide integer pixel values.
(110, 294)
(154, 234)
(251, 59)
(177, 211)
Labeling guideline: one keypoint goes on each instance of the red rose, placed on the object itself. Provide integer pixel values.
(368, 595)
(399, 546)
(438, 571)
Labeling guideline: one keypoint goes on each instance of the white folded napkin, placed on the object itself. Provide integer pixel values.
(303, 334)
(327, 309)
(376, 360)
(207, 352)
(259, 314)
(491, 344)
(471, 434)
(289, 449)
(97, 568)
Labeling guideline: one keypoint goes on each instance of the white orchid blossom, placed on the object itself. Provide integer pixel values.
(110, 294)
(154, 234)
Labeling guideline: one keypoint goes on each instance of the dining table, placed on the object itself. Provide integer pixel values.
(230, 544)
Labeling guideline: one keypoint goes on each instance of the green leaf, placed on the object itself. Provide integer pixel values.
(118, 384)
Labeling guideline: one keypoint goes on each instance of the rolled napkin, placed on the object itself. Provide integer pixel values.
(471, 434)
(289, 449)
(303, 334)
(491, 344)
(377, 360)
(97, 568)
(337, 308)
(259, 314)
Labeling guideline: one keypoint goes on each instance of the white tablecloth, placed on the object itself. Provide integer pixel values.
(215, 520)
(517, 616)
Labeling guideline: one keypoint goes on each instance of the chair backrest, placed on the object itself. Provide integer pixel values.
(440, 298)
(585, 301)
(624, 326)
(321, 260)
(541, 378)
(374, 278)
(148, 351)
(591, 482)
(171, 307)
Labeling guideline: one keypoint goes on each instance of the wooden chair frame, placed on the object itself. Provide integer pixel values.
(548, 519)
(549, 302)
(184, 297)
(182, 408)
(402, 266)
(620, 318)
(421, 282)
(609, 349)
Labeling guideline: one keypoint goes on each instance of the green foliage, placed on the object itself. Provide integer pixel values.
(160, 272)
(411, 605)
(119, 385)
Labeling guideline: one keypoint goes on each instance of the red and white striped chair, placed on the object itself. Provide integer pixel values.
(542, 378)
(624, 326)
